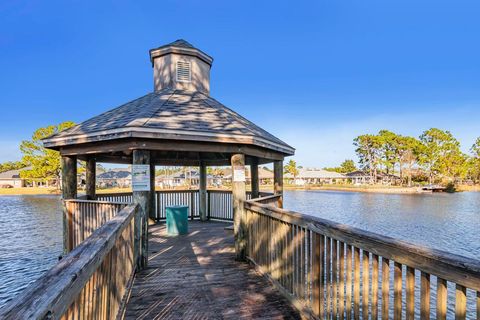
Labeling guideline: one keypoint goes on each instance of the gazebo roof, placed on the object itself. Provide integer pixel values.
(184, 116)
(170, 114)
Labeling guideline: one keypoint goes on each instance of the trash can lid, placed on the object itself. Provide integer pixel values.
(177, 206)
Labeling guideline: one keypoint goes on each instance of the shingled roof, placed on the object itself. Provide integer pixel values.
(177, 43)
(171, 114)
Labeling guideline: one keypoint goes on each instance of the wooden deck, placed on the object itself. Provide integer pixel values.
(196, 277)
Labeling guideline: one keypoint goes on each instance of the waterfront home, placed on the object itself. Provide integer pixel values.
(314, 176)
(265, 176)
(121, 178)
(11, 179)
(185, 178)
(360, 177)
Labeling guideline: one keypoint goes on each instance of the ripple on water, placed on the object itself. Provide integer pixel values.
(30, 242)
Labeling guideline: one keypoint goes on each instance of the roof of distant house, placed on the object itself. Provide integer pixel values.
(380, 174)
(12, 174)
(115, 174)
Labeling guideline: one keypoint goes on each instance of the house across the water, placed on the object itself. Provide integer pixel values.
(121, 178)
(315, 176)
(11, 179)
(360, 177)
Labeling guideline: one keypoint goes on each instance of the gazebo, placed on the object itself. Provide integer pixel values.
(177, 124)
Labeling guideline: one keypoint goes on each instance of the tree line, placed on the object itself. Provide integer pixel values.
(38, 162)
(434, 156)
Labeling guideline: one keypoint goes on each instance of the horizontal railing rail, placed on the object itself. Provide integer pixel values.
(90, 282)
(332, 270)
(83, 217)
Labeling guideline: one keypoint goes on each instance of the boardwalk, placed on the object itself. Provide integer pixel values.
(196, 277)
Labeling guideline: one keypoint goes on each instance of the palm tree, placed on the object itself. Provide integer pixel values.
(291, 167)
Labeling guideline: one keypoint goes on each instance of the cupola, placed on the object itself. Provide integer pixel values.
(179, 65)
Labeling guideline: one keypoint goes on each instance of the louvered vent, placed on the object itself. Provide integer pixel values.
(183, 71)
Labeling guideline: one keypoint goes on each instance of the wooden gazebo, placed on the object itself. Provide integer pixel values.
(177, 124)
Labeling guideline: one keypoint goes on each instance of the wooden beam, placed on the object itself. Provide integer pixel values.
(254, 178)
(69, 191)
(128, 145)
(90, 176)
(143, 198)
(238, 198)
(278, 180)
(203, 191)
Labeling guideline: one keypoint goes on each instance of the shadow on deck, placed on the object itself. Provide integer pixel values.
(196, 277)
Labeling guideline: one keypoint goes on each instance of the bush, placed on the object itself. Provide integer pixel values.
(450, 187)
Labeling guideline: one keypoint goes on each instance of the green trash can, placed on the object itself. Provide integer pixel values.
(177, 220)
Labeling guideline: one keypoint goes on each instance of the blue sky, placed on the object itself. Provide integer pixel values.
(316, 74)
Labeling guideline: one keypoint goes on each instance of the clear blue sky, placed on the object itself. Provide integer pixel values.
(316, 74)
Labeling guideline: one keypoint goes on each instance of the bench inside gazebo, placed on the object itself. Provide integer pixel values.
(119, 262)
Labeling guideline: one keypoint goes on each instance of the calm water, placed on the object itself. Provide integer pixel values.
(449, 222)
(31, 226)
(30, 240)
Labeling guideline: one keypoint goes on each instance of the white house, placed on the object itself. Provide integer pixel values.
(311, 176)
(11, 179)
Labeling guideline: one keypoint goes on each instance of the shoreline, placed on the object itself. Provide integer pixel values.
(266, 188)
(362, 189)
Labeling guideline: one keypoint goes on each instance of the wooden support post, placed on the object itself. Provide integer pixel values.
(152, 214)
(238, 197)
(203, 192)
(90, 173)
(254, 178)
(143, 198)
(69, 191)
(278, 180)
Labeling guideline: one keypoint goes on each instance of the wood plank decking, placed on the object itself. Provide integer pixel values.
(196, 277)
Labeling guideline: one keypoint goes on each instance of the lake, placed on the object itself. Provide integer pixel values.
(31, 226)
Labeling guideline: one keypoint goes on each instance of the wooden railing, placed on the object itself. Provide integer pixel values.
(83, 217)
(167, 198)
(330, 270)
(219, 202)
(115, 197)
(90, 282)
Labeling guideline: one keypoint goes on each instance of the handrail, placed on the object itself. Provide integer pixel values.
(312, 259)
(269, 199)
(89, 282)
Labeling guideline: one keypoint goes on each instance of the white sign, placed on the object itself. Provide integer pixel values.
(141, 177)
(239, 174)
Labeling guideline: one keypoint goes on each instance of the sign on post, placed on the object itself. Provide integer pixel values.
(140, 177)
(238, 174)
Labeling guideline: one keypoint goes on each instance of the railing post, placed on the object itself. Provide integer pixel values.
(143, 198)
(192, 209)
(238, 199)
(69, 191)
(202, 192)
(254, 181)
(209, 205)
(90, 176)
(278, 180)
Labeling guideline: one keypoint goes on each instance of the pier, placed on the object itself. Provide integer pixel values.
(118, 262)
